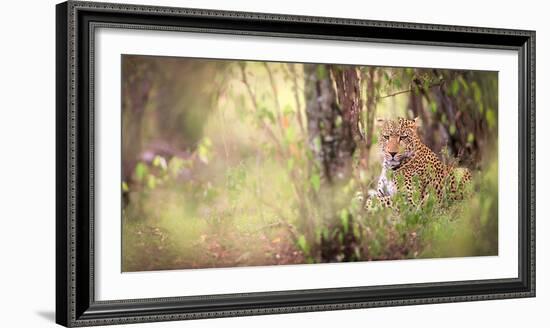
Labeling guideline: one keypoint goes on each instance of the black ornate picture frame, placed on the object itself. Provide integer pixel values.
(75, 280)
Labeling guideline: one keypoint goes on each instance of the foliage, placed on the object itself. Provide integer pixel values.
(247, 185)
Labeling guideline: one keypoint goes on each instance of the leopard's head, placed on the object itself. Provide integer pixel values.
(398, 141)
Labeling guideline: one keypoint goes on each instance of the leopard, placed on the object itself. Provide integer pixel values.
(409, 165)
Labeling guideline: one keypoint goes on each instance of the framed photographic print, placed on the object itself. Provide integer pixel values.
(214, 163)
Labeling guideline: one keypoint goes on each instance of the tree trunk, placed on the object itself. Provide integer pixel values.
(333, 112)
(333, 119)
(371, 113)
(136, 89)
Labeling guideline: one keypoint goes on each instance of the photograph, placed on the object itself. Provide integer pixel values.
(244, 161)
(235, 163)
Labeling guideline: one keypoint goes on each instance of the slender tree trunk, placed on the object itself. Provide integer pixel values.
(333, 111)
(371, 113)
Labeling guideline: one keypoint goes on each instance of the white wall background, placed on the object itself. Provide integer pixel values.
(27, 162)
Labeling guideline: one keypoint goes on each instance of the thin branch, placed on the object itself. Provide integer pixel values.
(252, 96)
(282, 222)
(371, 105)
(276, 98)
(274, 89)
(293, 75)
(409, 90)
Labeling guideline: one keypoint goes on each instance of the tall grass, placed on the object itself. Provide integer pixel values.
(249, 214)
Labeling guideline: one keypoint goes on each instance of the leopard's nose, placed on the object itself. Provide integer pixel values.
(392, 153)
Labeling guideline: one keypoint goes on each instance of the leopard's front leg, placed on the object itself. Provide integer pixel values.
(386, 201)
(410, 191)
(385, 190)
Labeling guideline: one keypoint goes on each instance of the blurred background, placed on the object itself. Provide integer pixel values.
(237, 163)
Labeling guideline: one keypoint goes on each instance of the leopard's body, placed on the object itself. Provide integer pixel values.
(407, 160)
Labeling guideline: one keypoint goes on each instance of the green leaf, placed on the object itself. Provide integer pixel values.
(203, 153)
(151, 181)
(125, 186)
(455, 86)
(288, 110)
(265, 113)
(156, 161)
(477, 92)
(338, 121)
(426, 85)
(302, 243)
(140, 171)
(344, 217)
(452, 129)
(463, 83)
(444, 118)
(471, 137)
(315, 181)
(433, 107)
(159, 161)
(204, 149)
(290, 134)
(397, 83)
(321, 72)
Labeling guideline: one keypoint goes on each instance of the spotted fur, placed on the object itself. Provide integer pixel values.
(407, 159)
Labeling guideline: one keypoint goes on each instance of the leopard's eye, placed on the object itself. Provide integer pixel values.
(387, 137)
(403, 137)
